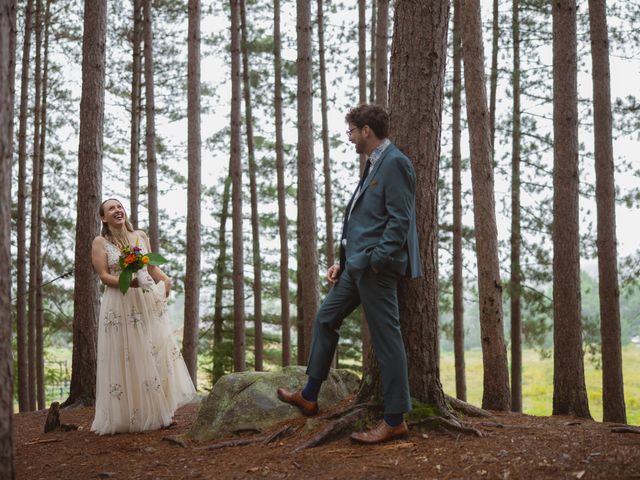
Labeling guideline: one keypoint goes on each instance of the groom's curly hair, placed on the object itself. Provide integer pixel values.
(373, 115)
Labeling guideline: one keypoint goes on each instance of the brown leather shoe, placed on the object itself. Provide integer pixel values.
(297, 400)
(380, 433)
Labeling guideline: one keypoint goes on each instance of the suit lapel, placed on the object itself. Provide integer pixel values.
(373, 172)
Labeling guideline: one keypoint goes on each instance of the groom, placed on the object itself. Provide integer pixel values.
(379, 245)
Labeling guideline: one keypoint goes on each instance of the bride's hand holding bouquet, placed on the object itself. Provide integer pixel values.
(132, 260)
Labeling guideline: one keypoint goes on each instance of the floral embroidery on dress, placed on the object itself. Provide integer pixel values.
(134, 317)
(112, 319)
(116, 390)
(134, 416)
(152, 385)
(175, 353)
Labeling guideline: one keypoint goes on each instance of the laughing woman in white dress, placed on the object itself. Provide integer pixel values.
(141, 375)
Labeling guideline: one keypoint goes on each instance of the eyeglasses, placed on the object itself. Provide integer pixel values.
(351, 130)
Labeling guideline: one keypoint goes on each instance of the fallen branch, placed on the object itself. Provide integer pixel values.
(334, 427)
(448, 425)
(283, 432)
(46, 440)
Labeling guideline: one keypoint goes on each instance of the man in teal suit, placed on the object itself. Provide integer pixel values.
(379, 245)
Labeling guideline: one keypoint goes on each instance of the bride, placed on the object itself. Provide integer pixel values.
(141, 376)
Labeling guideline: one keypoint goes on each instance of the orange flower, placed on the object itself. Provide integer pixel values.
(145, 260)
(129, 259)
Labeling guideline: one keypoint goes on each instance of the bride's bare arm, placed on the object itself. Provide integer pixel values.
(99, 260)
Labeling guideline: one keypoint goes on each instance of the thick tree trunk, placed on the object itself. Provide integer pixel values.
(150, 135)
(86, 291)
(34, 247)
(7, 93)
(496, 394)
(418, 57)
(42, 145)
(21, 227)
(253, 188)
(221, 264)
(493, 79)
(372, 53)
(136, 112)
(281, 188)
(194, 145)
(456, 167)
(308, 266)
(614, 409)
(236, 196)
(382, 42)
(516, 277)
(569, 391)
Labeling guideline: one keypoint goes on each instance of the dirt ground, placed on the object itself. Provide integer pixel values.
(513, 446)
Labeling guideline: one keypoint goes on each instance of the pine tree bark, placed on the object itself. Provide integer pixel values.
(372, 53)
(236, 196)
(253, 189)
(281, 189)
(150, 135)
(569, 391)
(326, 160)
(613, 404)
(136, 113)
(496, 393)
(86, 290)
(382, 41)
(34, 247)
(362, 52)
(515, 283)
(194, 146)
(308, 266)
(456, 167)
(21, 227)
(42, 145)
(418, 58)
(7, 93)
(493, 79)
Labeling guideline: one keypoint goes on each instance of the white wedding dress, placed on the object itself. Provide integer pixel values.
(141, 375)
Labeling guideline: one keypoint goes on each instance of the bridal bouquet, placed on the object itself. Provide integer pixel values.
(131, 260)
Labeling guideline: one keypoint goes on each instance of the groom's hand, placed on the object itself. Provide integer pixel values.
(333, 273)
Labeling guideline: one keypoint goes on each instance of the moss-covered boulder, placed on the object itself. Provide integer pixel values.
(247, 401)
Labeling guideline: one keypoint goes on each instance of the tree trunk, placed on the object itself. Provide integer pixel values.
(495, 27)
(418, 59)
(136, 110)
(236, 196)
(362, 52)
(328, 208)
(41, 156)
(192, 273)
(221, 263)
(86, 291)
(612, 383)
(456, 167)
(150, 135)
(281, 188)
(496, 394)
(569, 391)
(7, 94)
(382, 40)
(372, 54)
(34, 247)
(255, 224)
(308, 266)
(515, 283)
(21, 291)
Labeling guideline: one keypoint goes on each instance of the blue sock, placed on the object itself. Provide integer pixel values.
(393, 419)
(312, 389)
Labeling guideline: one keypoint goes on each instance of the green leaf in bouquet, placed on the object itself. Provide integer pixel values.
(156, 259)
(124, 281)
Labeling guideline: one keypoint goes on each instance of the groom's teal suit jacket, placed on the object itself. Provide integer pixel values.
(381, 230)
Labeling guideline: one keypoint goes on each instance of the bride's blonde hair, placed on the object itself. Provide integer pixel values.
(105, 231)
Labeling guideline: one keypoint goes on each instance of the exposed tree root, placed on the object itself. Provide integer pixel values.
(447, 425)
(351, 408)
(466, 408)
(283, 432)
(175, 439)
(625, 429)
(333, 428)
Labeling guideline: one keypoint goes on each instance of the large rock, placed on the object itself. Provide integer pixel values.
(247, 401)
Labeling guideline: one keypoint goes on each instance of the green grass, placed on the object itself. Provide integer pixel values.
(537, 382)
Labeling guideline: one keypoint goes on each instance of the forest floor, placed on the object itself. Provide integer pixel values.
(512, 446)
